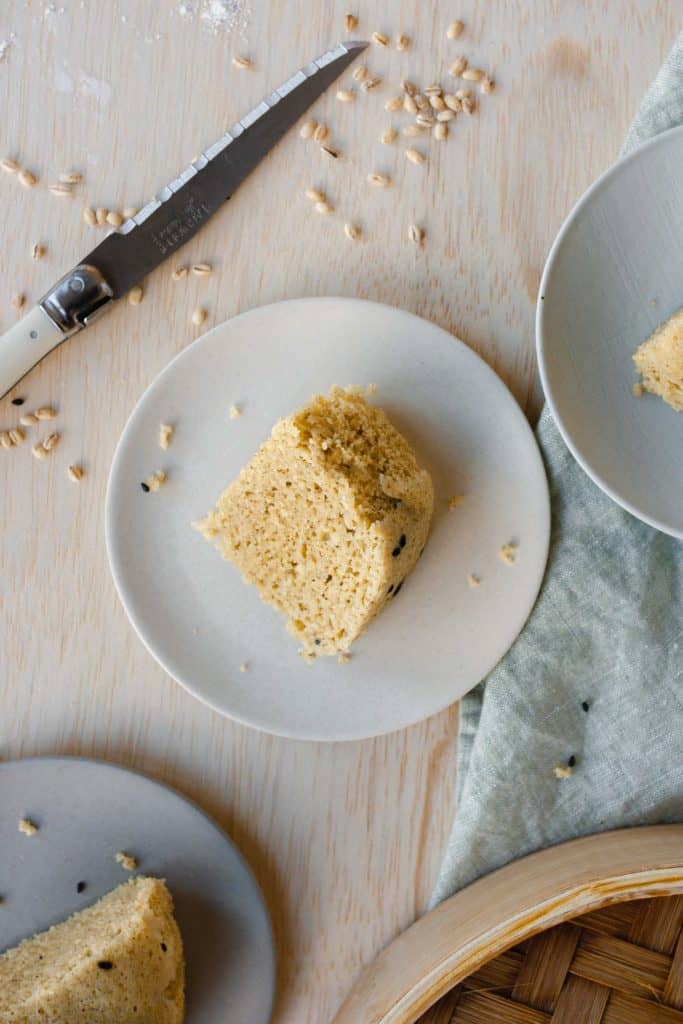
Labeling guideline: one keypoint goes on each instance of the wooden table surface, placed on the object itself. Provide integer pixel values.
(344, 839)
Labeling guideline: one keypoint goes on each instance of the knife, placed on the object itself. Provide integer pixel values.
(167, 222)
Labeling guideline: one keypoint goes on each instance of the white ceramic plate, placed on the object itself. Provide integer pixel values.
(432, 644)
(614, 273)
(87, 811)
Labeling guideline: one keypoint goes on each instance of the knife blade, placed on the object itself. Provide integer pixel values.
(166, 223)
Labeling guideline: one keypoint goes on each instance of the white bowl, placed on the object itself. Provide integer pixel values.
(614, 273)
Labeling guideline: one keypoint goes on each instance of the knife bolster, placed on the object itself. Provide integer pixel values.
(77, 299)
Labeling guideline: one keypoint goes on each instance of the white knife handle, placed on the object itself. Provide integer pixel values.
(26, 344)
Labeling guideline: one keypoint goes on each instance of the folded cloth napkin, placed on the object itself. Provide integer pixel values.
(596, 679)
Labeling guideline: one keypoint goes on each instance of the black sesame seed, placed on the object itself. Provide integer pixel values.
(398, 588)
(105, 965)
(396, 552)
(585, 706)
(145, 487)
(572, 761)
(402, 540)
(317, 643)
(18, 401)
(80, 886)
(390, 589)
(164, 947)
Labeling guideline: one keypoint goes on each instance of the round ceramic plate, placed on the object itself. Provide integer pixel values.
(430, 645)
(86, 812)
(614, 273)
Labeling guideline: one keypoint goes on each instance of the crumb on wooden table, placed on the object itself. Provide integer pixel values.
(27, 827)
(126, 860)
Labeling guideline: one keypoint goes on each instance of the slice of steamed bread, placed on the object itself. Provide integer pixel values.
(117, 962)
(327, 519)
(659, 360)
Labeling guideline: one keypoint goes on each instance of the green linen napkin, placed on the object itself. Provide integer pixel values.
(596, 679)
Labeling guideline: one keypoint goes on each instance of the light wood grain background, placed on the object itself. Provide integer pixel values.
(345, 839)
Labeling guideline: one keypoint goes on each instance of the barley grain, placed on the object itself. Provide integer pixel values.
(38, 451)
(324, 207)
(5, 439)
(316, 195)
(437, 103)
(409, 88)
(101, 215)
(115, 218)
(487, 84)
(307, 129)
(89, 216)
(350, 22)
(457, 67)
(379, 39)
(463, 94)
(346, 95)
(199, 316)
(402, 42)
(415, 234)
(71, 177)
(320, 133)
(422, 101)
(180, 272)
(360, 73)
(18, 301)
(409, 104)
(46, 412)
(61, 190)
(135, 295)
(17, 435)
(425, 120)
(371, 82)
(446, 115)
(416, 157)
(9, 166)
(473, 75)
(388, 137)
(29, 419)
(440, 131)
(27, 178)
(455, 29)
(394, 104)
(51, 441)
(201, 269)
(352, 232)
(242, 62)
(414, 131)
(468, 105)
(453, 103)
(75, 473)
(129, 212)
(38, 251)
(379, 180)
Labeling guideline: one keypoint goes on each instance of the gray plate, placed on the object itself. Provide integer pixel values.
(86, 811)
(614, 273)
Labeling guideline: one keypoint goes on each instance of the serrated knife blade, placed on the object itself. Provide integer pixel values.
(166, 223)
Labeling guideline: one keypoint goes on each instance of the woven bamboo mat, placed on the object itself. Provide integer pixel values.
(619, 965)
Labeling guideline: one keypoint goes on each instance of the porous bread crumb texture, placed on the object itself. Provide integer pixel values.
(659, 360)
(118, 961)
(327, 519)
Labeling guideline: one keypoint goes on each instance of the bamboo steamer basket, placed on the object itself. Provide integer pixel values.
(587, 932)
